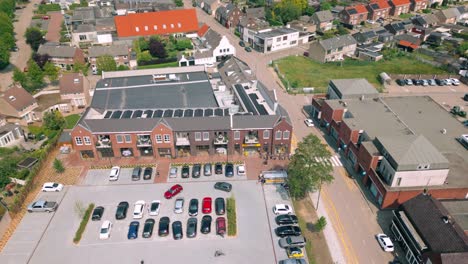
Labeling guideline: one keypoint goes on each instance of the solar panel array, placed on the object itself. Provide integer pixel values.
(352, 11)
(374, 6)
(198, 112)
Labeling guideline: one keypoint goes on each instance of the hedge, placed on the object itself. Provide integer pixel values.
(156, 61)
(83, 224)
(231, 216)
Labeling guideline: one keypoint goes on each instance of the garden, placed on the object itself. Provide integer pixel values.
(156, 51)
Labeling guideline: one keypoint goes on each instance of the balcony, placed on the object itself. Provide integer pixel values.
(220, 139)
(182, 141)
(251, 139)
(144, 141)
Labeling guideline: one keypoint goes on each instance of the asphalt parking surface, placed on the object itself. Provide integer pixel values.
(101, 177)
(212, 177)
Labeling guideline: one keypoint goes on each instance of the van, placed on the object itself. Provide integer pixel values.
(136, 174)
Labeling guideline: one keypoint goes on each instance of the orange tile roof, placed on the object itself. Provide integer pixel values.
(359, 8)
(202, 31)
(408, 44)
(382, 3)
(157, 23)
(400, 2)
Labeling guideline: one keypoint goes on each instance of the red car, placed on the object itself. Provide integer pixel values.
(221, 226)
(206, 209)
(173, 191)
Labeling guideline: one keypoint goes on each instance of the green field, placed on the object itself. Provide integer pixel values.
(303, 72)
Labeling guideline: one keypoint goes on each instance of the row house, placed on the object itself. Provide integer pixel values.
(418, 5)
(333, 49)
(62, 56)
(399, 7)
(74, 87)
(354, 15)
(378, 9)
(121, 54)
(228, 15)
(323, 20)
(18, 106)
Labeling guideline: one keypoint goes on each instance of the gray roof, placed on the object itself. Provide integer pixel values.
(258, 12)
(113, 50)
(234, 71)
(84, 28)
(276, 32)
(353, 87)
(337, 42)
(323, 16)
(57, 51)
(449, 13)
(207, 43)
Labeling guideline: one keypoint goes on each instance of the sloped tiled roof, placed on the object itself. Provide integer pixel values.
(400, 2)
(357, 9)
(337, 42)
(202, 31)
(323, 16)
(381, 4)
(113, 50)
(18, 98)
(57, 51)
(71, 83)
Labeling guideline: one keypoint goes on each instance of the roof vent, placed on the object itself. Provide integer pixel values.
(444, 131)
(76, 80)
(12, 98)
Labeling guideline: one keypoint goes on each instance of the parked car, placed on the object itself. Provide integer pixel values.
(223, 186)
(220, 206)
(154, 207)
(133, 230)
(286, 219)
(218, 168)
(241, 43)
(408, 82)
(229, 170)
(191, 227)
(294, 252)
(292, 241)
(241, 170)
(173, 191)
(288, 230)
(196, 170)
(282, 209)
(148, 228)
(147, 173)
(465, 97)
(185, 171)
(97, 213)
(385, 242)
(424, 83)
(179, 206)
(221, 226)
(15, 48)
(431, 82)
(248, 49)
(114, 173)
(206, 205)
(401, 82)
(52, 187)
(193, 207)
(163, 229)
(104, 232)
(207, 169)
(415, 82)
(121, 212)
(173, 172)
(293, 261)
(440, 82)
(42, 206)
(206, 224)
(309, 122)
(455, 81)
(177, 230)
(136, 174)
(448, 82)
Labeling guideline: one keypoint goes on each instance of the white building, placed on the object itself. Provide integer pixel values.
(270, 40)
(10, 134)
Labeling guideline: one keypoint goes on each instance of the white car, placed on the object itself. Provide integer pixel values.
(52, 187)
(138, 209)
(105, 231)
(154, 207)
(281, 209)
(454, 81)
(241, 170)
(448, 81)
(179, 206)
(114, 174)
(385, 242)
(173, 172)
(309, 122)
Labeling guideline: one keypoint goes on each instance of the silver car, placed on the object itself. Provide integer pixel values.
(207, 169)
(292, 241)
(179, 206)
(173, 172)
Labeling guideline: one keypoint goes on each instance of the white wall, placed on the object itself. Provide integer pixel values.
(420, 178)
(279, 43)
(225, 48)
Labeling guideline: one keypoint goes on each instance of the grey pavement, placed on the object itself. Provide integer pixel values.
(213, 177)
(101, 177)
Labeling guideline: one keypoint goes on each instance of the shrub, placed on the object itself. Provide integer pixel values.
(83, 224)
(58, 166)
(231, 216)
(321, 223)
(23, 174)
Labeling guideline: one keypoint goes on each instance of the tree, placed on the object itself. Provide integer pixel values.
(41, 59)
(106, 63)
(123, 68)
(179, 3)
(35, 76)
(19, 77)
(51, 71)
(4, 56)
(183, 44)
(58, 166)
(34, 37)
(306, 170)
(320, 224)
(325, 6)
(156, 48)
(80, 67)
(53, 120)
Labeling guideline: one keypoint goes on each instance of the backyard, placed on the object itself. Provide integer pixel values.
(303, 72)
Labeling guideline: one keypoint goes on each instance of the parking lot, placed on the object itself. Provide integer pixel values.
(213, 176)
(101, 177)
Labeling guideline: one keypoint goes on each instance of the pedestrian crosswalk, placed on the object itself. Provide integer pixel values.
(334, 161)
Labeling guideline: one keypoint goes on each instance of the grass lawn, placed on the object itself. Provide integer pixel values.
(71, 121)
(307, 73)
(161, 65)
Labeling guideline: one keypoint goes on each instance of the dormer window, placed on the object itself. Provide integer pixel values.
(155, 27)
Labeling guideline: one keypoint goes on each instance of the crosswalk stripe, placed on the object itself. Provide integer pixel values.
(334, 161)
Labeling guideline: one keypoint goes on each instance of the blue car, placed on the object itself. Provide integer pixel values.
(133, 230)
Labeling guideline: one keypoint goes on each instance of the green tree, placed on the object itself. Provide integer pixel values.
(34, 37)
(123, 68)
(183, 44)
(35, 76)
(53, 120)
(80, 67)
(306, 171)
(51, 71)
(156, 48)
(106, 63)
(320, 224)
(179, 3)
(463, 48)
(58, 166)
(19, 77)
(4, 56)
(325, 6)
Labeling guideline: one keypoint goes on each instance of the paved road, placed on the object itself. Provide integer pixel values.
(19, 59)
(354, 221)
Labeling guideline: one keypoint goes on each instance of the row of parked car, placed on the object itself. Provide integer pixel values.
(427, 82)
(290, 234)
(136, 173)
(207, 170)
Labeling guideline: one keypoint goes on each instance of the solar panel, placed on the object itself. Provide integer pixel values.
(218, 112)
(188, 113)
(108, 114)
(127, 114)
(260, 108)
(178, 113)
(116, 114)
(374, 6)
(352, 11)
(149, 113)
(208, 112)
(198, 112)
(158, 113)
(244, 97)
(168, 113)
(137, 114)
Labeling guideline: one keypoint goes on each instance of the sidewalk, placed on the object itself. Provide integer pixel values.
(329, 232)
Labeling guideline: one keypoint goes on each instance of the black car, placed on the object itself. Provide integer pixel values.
(218, 168)
(97, 213)
(229, 170)
(193, 207)
(400, 82)
(147, 173)
(223, 186)
(133, 230)
(185, 171)
(416, 82)
(288, 230)
(136, 174)
(148, 228)
(241, 43)
(163, 229)
(248, 49)
(121, 212)
(286, 220)
(465, 98)
(191, 227)
(196, 171)
(206, 224)
(440, 82)
(177, 230)
(220, 206)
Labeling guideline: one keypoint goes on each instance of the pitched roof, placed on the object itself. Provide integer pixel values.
(408, 44)
(378, 4)
(400, 2)
(255, 12)
(71, 83)
(357, 9)
(449, 13)
(113, 50)
(337, 42)
(57, 51)
(157, 23)
(201, 32)
(323, 16)
(18, 98)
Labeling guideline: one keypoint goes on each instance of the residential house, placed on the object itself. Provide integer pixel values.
(248, 27)
(354, 15)
(378, 9)
(370, 52)
(274, 39)
(408, 42)
(210, 6)
(305, 27)
(463, 10)
(74, 87)
(18, 106)
(448, 16)
(173, 22)
(255, 12)
(366, 36)
(422, 32)
(10, 134)
(425, 21)
(323, 20)
(396, 28)
(228, 15)
(62, 56)
(333, 49)
(399, 7)
(84, 33)
(120, 53)
(417, 5)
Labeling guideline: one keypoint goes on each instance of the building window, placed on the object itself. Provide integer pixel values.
(286, 134)
(119, 139)
(285, 38)
(236, 135)
(158, 138)
(293, 42)
(278, 135)
(206, 136)
(167, 138)
(172, 25)
(128, 139)
(146, 28)
(87, 140)
(266, 134)
(278, 39)
(164, 26)
(78, 141)
(197, 136)
(155, 27)
(83, 37)
(398, 181)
